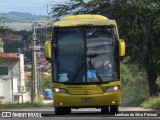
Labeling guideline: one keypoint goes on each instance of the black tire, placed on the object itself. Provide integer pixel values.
(105, 110)
(62, 110)
(114, 109)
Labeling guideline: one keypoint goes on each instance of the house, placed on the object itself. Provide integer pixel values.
(1, 44)
(12, 82)
(0, 37)
(12, 37)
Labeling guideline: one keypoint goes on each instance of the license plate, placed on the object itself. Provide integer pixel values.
(86, 99)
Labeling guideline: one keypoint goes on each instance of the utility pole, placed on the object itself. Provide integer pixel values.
(34, 85)
(36, 77)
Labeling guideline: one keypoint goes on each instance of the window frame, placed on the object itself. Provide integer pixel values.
(55, 42)
(4, 70)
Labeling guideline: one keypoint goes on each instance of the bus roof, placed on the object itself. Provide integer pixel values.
(81, 20)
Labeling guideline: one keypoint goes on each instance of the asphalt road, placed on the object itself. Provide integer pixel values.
(126, 113)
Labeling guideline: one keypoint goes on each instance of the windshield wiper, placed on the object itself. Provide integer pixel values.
(77, 73)
(91, 65)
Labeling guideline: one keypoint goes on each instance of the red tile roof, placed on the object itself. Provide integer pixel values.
(12, 37)
(8, 56)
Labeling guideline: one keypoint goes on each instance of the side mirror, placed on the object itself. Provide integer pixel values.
(47, 50)
(121, 49)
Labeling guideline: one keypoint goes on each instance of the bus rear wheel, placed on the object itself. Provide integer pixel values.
(114, 109)
(62, 110)
(105, 110)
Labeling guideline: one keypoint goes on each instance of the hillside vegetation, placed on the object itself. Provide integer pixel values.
(19, 16)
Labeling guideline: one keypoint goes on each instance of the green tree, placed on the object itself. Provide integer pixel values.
(46, 82)
(25, 34)
(139, 24)
(4, 30)
(12, 46)
(131, 94)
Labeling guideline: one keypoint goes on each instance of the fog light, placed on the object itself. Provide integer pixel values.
(113, 102)
(60, 104)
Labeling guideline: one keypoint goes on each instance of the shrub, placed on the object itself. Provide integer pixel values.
(134, 85)
(152, 103)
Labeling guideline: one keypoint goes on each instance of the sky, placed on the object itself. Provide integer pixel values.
(38, 7)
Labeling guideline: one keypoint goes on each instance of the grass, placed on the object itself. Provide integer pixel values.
(132, 102)
(152, 103)
(49, 105)
(25, 105)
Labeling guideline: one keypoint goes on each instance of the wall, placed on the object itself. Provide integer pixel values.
(7, 81)
(1, 46)
(22, 78)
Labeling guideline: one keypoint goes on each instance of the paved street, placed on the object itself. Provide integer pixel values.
(83, 114)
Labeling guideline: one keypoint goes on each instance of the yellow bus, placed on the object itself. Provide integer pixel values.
(85, 52)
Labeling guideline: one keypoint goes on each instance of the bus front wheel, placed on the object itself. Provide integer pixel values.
(114, 109)
(105, 110)
(62, 110)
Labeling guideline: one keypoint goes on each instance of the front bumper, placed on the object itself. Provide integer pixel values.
(96, 100)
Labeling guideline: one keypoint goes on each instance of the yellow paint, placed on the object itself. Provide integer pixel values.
(47, 50)
(121, 48)
(94, 92)
(77, 92)
(81, 20)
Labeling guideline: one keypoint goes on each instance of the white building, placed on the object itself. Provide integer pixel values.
(1, 45)
(12, 82)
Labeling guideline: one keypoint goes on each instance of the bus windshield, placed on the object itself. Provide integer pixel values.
(85, 55)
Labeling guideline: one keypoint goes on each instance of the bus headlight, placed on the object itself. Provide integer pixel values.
(112, 88)
(60, 90)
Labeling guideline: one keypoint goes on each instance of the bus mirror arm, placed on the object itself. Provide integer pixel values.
(91, 55)
(121, 58)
